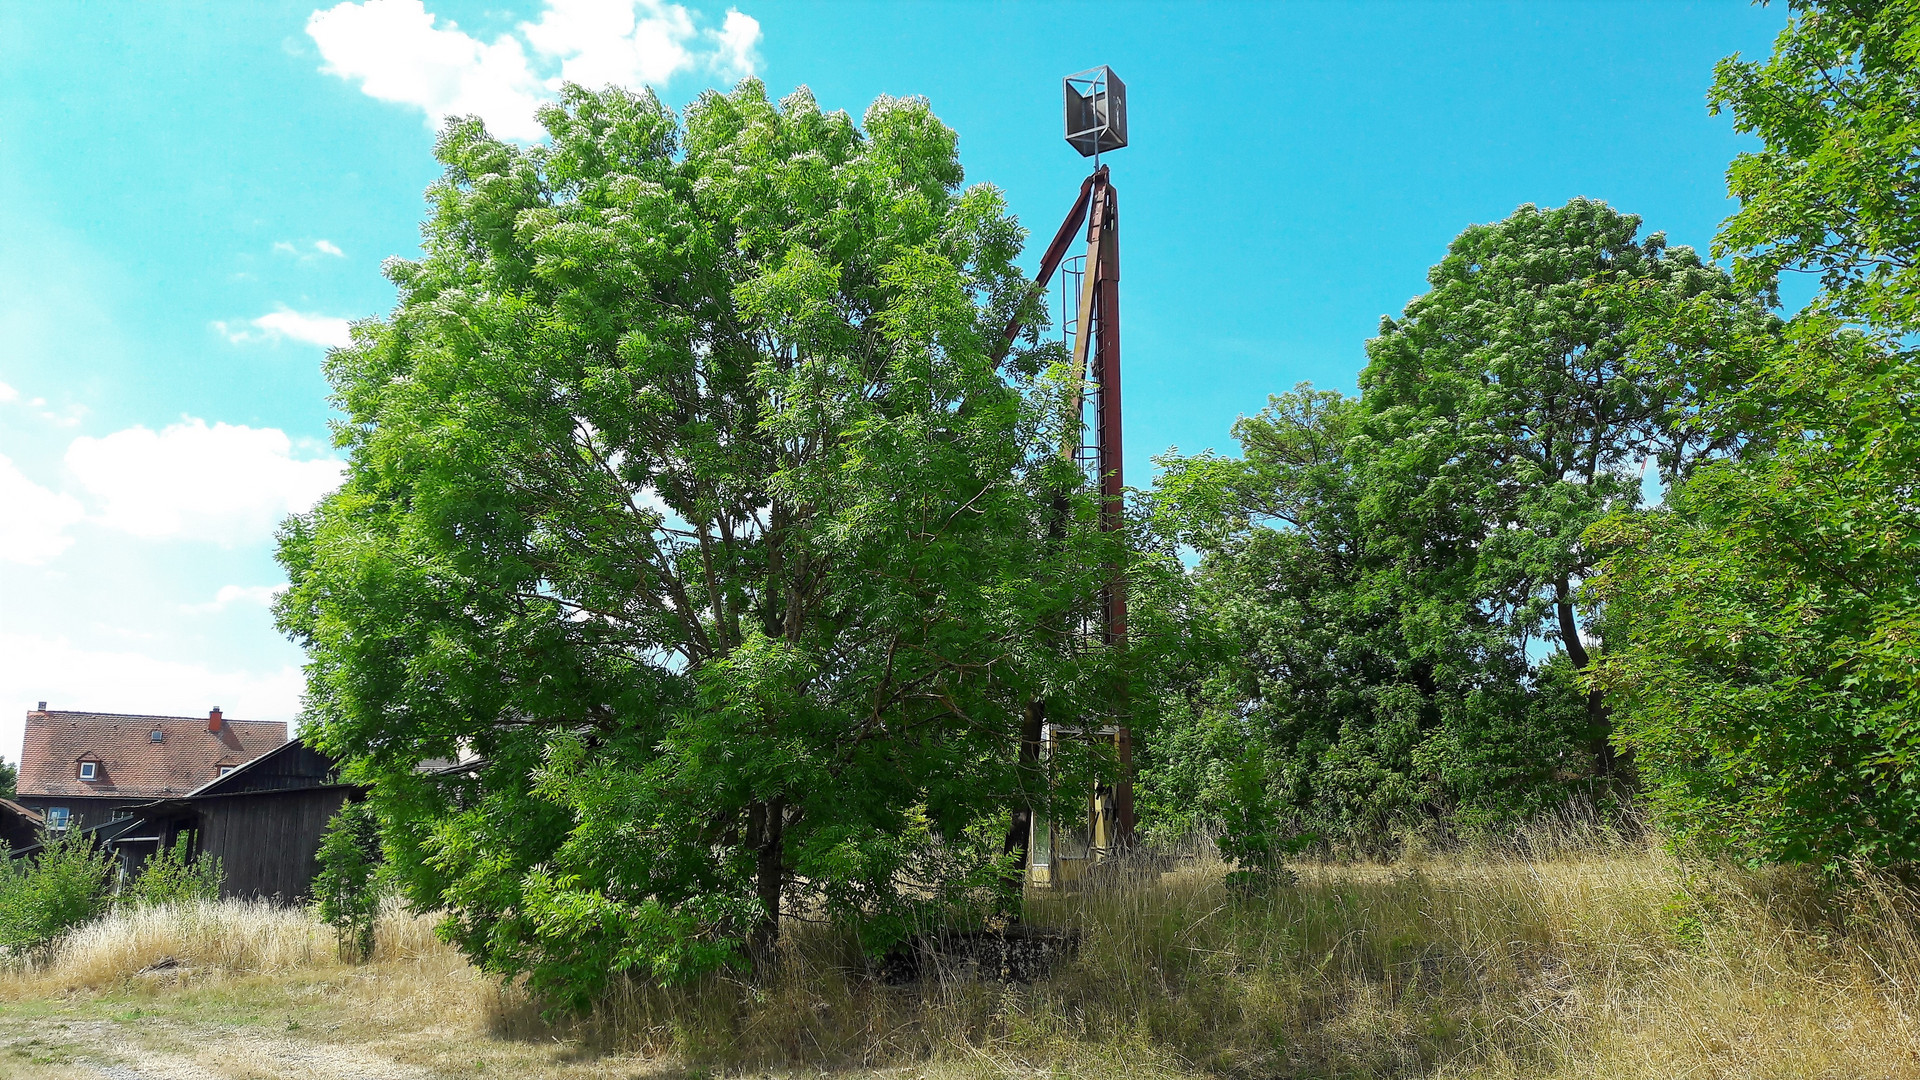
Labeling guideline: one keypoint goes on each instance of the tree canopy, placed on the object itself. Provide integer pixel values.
(1764, 618)
(1383, 565)
(690, 514)
(1831, 192)
(705, 558)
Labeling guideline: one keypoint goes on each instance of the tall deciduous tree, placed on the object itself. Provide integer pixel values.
(1508, 410)
(689, 508)
(1377, 567)
(1832, 190)
(1766, 622)
(1299, 653)
(1307, 673)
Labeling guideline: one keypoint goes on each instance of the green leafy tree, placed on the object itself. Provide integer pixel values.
(9, 779)
(686, 493)
(1312, 666)
(346, 893)
(172, 876)
(1374, 568)
(1767, 622)
(1304, 658)
(1831, 191)
(1507, 410)
(1763, 623)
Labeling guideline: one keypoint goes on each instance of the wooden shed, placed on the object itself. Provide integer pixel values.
(19, 826)
(263, 821)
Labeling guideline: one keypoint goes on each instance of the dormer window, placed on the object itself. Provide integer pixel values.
(158, 736)
(87, 769)
(225, 769)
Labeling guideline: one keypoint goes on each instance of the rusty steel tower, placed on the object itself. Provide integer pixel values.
(1096, 122)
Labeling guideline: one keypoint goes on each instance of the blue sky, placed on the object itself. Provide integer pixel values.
(194, 199)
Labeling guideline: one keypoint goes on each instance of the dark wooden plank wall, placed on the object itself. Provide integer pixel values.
(293, 765)
(267, 841)
(17, 830)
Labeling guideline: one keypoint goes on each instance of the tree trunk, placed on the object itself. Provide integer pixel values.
(1569, 626)
(764, 833)
(1607, 762)
(1020, 832)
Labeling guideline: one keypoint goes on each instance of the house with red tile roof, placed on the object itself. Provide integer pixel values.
(83, 768)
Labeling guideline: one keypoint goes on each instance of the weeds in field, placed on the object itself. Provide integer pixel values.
(1552, 955)
(1560, 953)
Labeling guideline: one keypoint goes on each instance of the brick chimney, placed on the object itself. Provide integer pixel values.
(42, 708)
(213, 720)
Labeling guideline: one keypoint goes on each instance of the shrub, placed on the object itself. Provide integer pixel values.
(1766, 666)
(345, 892)
(1254, 836)
(62, 887)
(169, 877)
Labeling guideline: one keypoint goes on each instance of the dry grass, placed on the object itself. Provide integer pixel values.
(204, 938)
(1578, 959)
(1585, 957)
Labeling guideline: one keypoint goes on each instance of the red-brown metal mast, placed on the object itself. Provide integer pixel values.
(1096, 121)
(1096, 114)
(1100, 326)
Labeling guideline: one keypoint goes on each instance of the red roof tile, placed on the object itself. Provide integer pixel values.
(130, 763)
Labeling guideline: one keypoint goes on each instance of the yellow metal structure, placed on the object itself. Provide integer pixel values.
(1062, 853)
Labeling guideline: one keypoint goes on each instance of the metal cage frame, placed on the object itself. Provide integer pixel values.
(1096, 111)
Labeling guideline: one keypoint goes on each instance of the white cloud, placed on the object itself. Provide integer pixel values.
(54, 669)
(67, 416)
(288, 323)
(313, 329)
(34, 523)
(228, 483)
(623, 42)
(320, 247)
(401, 52)
(738, 39)
(395, 51)
(229, 595)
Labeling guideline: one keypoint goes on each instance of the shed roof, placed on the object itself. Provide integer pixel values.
(131, 764)
(302, 767)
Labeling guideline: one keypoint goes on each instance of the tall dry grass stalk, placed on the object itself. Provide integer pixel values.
(1570, 952)
(206, 937)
